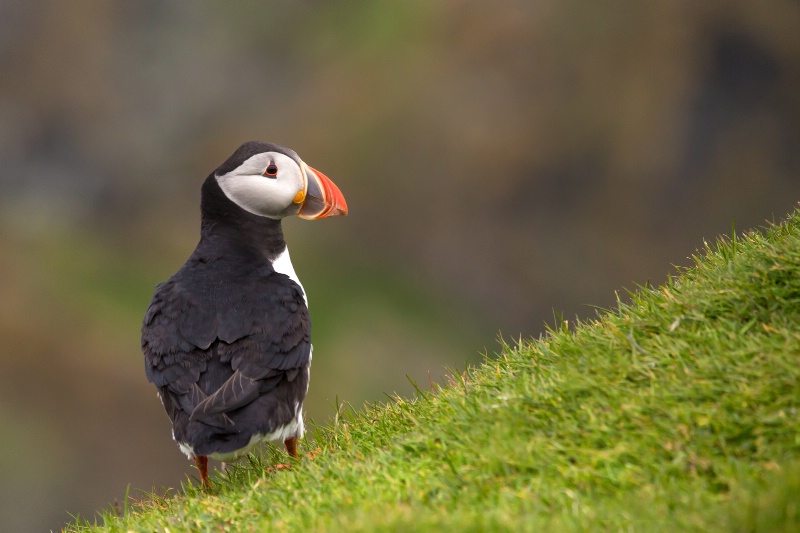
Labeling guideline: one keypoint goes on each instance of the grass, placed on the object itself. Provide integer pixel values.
(678, 411)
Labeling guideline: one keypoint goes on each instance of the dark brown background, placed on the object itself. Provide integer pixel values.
(501, 160)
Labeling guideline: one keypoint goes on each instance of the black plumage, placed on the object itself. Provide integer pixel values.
(226, 339)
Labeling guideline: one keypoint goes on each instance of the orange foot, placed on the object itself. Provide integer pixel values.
(313, 454)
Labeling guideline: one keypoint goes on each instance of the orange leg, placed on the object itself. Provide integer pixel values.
(291, 447)
(202, 467)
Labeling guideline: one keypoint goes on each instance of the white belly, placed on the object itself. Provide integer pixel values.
(294, 429)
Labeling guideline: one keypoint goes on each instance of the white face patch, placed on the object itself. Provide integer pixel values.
(266, 196)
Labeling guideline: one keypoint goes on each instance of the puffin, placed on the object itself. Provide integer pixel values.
(227, 338)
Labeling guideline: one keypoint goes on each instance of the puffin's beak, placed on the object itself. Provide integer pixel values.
(323, 198)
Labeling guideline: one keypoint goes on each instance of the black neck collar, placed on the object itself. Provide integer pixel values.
(225, 225)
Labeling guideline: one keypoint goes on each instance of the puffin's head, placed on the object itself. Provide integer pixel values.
(272, 181)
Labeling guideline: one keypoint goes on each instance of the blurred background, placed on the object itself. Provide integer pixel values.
(502, 163)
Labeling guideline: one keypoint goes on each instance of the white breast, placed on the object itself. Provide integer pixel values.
(283, 265)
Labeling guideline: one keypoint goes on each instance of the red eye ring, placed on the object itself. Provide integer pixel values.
(272, 170)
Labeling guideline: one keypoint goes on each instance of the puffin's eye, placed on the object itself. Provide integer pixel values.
(272, 170)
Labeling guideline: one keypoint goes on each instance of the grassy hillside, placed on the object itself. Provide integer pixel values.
(676, 412)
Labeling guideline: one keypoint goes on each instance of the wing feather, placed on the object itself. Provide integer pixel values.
(212, 354)
(236, 392)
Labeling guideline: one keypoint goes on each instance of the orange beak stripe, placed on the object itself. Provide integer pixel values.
(323, 198)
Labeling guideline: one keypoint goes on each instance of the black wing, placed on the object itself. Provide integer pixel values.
(212, 354)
